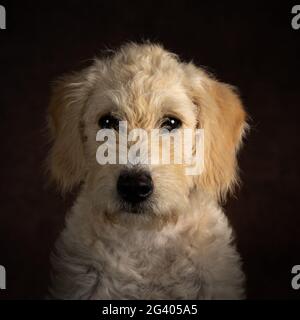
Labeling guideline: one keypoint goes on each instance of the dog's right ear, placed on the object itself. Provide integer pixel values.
(66, 163)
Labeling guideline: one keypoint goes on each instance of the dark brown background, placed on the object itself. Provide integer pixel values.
(251, 46)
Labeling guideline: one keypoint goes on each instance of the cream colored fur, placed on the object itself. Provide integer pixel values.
(181, 246)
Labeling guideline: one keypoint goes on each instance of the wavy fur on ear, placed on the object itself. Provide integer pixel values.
(222, 116)
(66, 162)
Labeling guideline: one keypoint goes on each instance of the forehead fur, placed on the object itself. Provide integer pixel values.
(147, 58)
(141, 81)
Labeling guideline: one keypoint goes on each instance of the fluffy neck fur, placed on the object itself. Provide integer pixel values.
(98, 259)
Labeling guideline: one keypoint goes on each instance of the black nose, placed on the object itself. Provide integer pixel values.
(134, 186)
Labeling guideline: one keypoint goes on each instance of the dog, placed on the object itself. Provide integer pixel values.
(145, 231)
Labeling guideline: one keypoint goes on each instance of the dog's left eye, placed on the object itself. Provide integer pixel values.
(170, 123)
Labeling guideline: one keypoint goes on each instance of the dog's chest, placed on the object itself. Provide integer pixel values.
(143, 268)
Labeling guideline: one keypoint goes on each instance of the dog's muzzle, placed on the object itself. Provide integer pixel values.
(134, 186)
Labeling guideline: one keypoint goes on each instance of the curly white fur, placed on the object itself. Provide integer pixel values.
(181, 246)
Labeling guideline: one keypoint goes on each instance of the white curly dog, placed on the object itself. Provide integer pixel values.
(151, 231)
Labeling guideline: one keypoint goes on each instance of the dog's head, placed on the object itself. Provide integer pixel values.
(148, 88)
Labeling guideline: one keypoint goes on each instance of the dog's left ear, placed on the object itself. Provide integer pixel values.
(222, 116)
(66, 162)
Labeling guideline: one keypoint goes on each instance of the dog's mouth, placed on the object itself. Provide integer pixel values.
(135, 208)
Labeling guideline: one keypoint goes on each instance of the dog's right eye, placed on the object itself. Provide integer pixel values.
(108, 122)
